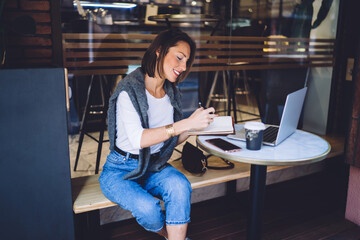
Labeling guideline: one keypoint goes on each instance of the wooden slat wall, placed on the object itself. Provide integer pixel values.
(35, 50)
(86, 54)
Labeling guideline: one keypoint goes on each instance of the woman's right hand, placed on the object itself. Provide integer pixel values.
(201, 118)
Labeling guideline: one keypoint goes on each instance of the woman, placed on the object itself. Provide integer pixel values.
(145, 124)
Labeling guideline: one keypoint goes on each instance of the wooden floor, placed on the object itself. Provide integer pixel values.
(308, 208)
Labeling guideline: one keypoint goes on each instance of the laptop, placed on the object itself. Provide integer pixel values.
(274, 135)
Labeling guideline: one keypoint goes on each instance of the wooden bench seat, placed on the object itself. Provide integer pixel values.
(87, 195)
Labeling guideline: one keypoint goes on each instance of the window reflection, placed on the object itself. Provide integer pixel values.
(263, 40)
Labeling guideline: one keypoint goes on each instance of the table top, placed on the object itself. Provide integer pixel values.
(300, 148)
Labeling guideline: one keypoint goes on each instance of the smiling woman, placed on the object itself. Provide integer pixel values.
(175, 61)
(145, 124)
(179, 44)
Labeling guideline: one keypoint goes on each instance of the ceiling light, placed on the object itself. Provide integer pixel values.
(106, 5)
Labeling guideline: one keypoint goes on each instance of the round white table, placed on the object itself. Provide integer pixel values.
(300, 148)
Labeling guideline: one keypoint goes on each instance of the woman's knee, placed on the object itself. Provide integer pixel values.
(177, 198)
(178, 187)
(149, 214)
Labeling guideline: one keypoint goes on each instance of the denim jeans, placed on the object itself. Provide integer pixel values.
(138, 196)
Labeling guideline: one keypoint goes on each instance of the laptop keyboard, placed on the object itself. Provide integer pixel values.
(270, 134)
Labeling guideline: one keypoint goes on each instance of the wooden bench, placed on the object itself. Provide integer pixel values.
(88, 198)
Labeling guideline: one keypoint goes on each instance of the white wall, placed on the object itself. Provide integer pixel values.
(316, 105)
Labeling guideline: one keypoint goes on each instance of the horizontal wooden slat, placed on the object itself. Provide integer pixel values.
(94, 45)
(206, 68)
(107, 45)
(84, 36)
(35, 5)
(39, 17)
(30, 61)
(37, 53)
(112, 53)
(208, 54)
(84, 72)
(104, 54)
(104, 63)
(217, 53)
(256, 67)
(233, 61)
(29, 41)
(260, 60)
(259, 39)
(259, 46)
(98, 72)
(43, 29)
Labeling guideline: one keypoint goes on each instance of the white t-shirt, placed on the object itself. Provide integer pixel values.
(128, 124)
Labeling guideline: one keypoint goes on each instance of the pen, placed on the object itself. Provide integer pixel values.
(200, 105)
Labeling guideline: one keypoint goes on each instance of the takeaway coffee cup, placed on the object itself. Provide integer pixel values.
(254, 135)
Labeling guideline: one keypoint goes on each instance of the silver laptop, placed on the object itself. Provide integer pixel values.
(273, 135)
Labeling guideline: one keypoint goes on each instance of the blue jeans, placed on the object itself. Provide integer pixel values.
(138, 196)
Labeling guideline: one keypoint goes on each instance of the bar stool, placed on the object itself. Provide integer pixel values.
(98, 110)
(218, 97)
(229, 92)
(245, 89)
(242, 88)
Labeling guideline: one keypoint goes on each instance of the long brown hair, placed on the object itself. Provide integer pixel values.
(164, 41)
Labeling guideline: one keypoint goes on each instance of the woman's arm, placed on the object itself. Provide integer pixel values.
(141, 138)
(182, 138)
(128, 122)
(200, 119)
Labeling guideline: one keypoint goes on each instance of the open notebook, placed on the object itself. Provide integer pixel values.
(273, 135)
(221, 125)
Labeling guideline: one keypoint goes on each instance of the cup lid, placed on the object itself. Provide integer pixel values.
(254, 125)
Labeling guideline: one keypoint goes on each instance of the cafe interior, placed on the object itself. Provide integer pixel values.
(61, 61)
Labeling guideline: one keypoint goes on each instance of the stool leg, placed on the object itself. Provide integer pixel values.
(231, 96)
(101, 137)
(247, 91)
(236, 81)
(83, 122)
(226, 94)
(104, 94)
(211, 93)
(234, 100)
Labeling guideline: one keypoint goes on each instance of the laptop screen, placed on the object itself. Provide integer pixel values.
(291, 114)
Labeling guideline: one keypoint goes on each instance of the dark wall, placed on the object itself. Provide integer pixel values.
(346, 47)
(35, 185)
(345, 97)
(32, 34)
